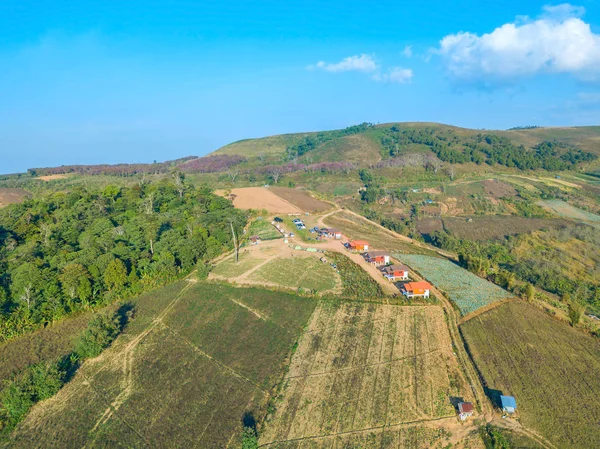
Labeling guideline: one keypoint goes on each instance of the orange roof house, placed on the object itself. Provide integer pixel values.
(358, 245)
(416, 289)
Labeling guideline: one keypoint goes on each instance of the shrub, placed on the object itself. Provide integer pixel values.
(36, 383)
(202, 270)
(249, 438)
(100, 333)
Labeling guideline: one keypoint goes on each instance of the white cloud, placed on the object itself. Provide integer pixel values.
(366, 64)
(557, 42)
(407, 51)
(563, 11)
(397, 75)
(358, 63)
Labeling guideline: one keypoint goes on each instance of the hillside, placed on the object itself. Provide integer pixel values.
(365, 146)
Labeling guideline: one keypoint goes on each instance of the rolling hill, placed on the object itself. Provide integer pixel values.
(365, 147)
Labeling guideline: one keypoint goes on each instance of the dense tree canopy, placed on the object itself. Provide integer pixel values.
(72, 250)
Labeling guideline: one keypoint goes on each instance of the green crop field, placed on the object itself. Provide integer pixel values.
(468, 291)
(566, 210)
(263, 228)
(195, 359)
(298, 272)
(552, 370)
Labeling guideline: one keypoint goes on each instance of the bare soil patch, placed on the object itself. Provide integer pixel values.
(13, 196)
(498, 189)
(53, 177)
(301, 199)
(261, 198)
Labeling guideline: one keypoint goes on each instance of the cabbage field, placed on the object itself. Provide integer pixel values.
(467, 290)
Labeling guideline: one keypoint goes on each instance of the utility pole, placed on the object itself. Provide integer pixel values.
(235, 245)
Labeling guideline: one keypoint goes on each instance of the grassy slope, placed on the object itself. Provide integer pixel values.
(552, 370)
(190, 365)
(366, 148)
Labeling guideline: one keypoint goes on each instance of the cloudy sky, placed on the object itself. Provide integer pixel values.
(125, 81)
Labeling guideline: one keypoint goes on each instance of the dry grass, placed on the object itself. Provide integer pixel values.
(498, 227)
(365, 372)
(12, 196)
(552, 370)
(192, 362)
(356, 228)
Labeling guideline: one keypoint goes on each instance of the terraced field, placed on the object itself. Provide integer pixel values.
(468, 291)
(370, 376)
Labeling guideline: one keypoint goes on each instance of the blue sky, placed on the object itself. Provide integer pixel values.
(127, 81)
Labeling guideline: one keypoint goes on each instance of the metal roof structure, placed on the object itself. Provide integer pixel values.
(509, 403)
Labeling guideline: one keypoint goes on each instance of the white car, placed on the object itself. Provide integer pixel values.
(296, 221)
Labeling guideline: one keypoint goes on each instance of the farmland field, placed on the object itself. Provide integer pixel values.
(552, 370)
(498, 227)
(468, 291)
(306, 272)
(300, 199)
(176, 356)
(229, 268)
(566, 210)
(367, 375)
(259, 198)
(356, 228)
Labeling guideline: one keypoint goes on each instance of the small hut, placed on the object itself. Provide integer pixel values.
(509, 404)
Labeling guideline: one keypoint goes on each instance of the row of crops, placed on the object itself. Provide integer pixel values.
(467, 290)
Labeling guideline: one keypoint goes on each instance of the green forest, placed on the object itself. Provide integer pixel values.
(68, 251)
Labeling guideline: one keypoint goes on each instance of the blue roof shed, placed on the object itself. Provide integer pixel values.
(509, 404)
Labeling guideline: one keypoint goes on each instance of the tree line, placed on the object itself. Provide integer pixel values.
(68, 251)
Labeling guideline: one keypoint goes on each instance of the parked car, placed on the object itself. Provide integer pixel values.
(278, 220)
(296, 220)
